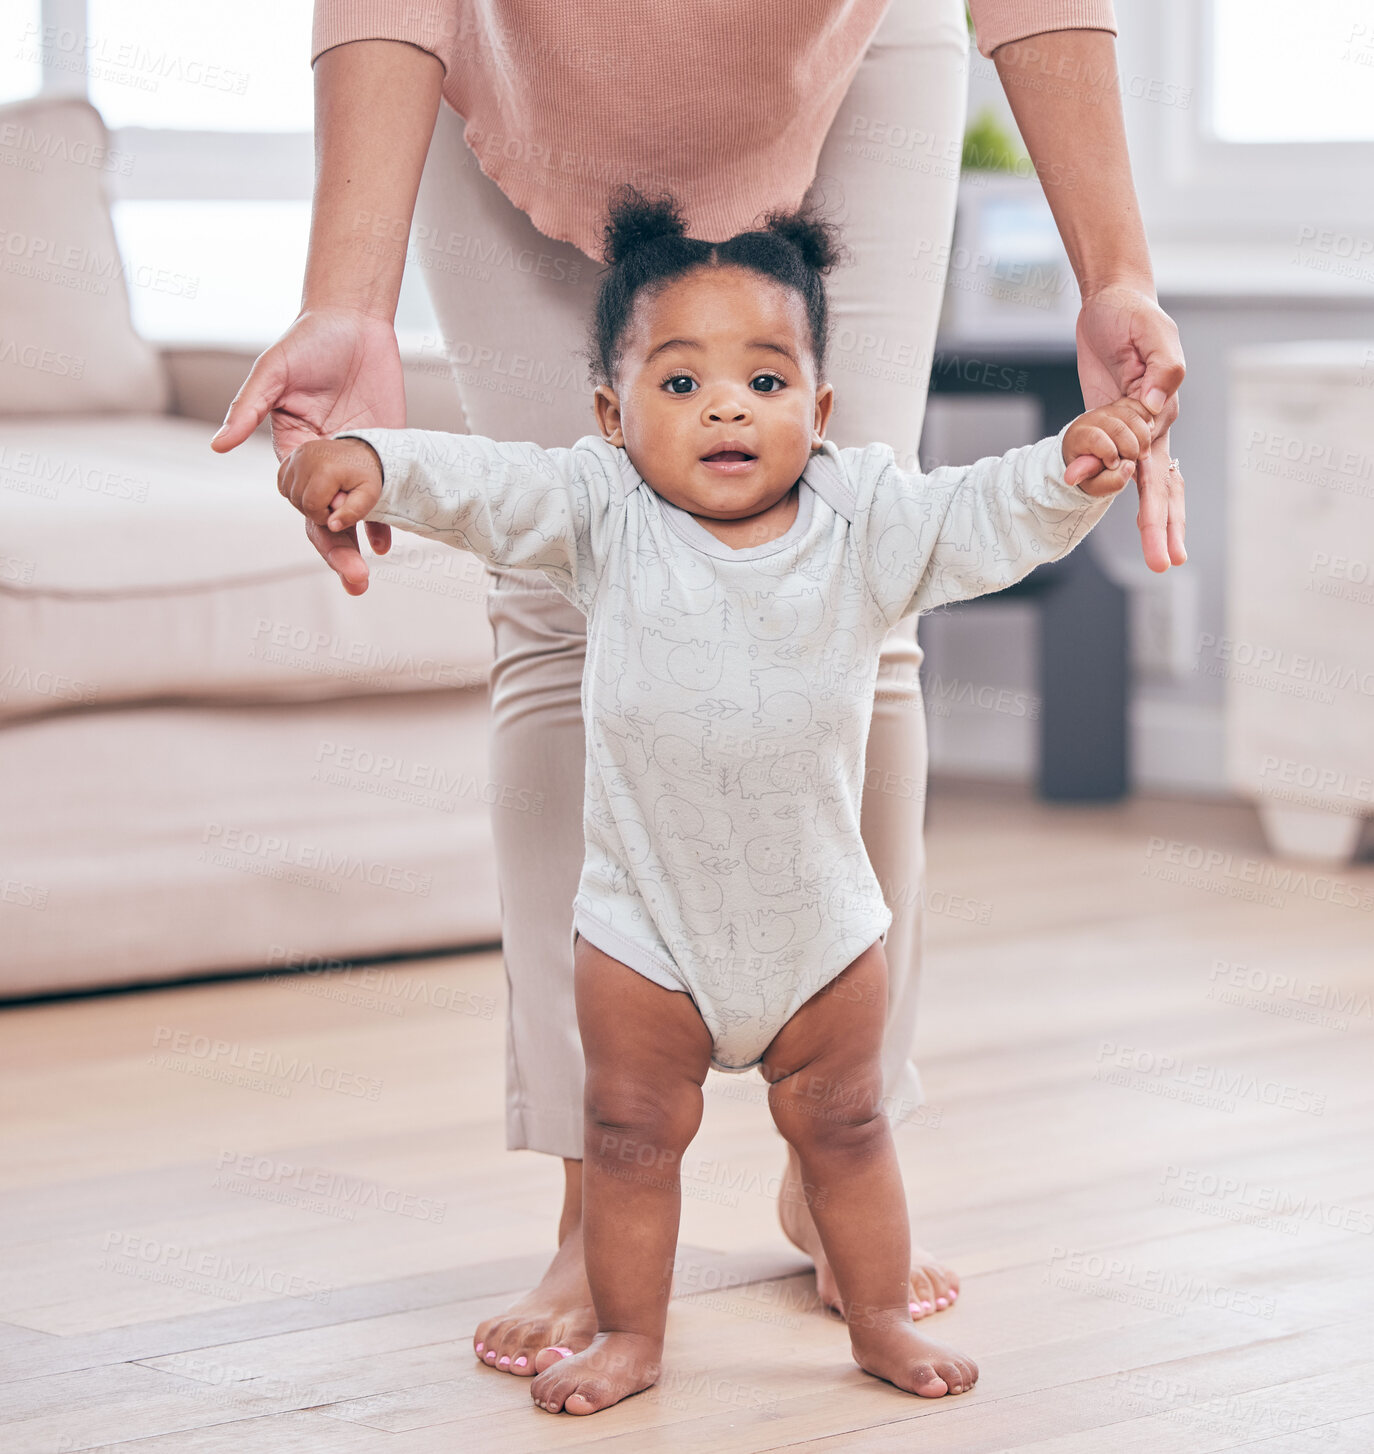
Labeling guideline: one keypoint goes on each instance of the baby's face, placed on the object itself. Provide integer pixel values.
(718, 359)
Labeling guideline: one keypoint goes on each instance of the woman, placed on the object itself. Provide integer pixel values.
(736, 109)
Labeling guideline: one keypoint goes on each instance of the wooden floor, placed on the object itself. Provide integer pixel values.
(265, 1214)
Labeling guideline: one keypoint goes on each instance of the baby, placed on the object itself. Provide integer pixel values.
(738, 573)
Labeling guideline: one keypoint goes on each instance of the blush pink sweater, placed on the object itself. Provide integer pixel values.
(726, 104)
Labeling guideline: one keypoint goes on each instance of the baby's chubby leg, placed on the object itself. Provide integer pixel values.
(648, 1051)
(825, 1088)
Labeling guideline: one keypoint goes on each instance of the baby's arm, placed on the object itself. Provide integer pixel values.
(966, 531)
(515, 505)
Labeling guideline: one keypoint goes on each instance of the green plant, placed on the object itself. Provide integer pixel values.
(990, 147)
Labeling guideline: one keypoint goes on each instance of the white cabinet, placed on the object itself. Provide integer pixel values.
(1298, 654)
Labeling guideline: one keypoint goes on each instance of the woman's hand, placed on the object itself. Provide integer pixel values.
(1128, 345)
(334, 368)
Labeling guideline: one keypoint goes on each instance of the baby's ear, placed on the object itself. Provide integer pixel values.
(606, 406)
(825, 403)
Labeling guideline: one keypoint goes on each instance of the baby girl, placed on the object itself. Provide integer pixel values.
(738, 573)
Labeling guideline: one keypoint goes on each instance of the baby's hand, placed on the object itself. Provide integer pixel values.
(1102, 446)
(334, 482)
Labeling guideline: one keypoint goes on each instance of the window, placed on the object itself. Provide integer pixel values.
(1251, 122)
(194, 66)
(214, 104)
(21, 70)
(213, 271)
(1284, 72)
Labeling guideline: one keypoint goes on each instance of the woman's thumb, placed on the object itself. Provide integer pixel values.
(1163, 374)
(251, 405)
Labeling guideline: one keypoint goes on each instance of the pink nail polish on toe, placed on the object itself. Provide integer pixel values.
(480, 1346)
(566, 1352)
(941, 1302)
(521, 1361)
(953, 1294)
(504, 1361)
(928, 1305)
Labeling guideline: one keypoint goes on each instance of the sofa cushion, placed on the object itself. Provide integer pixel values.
(67, 341)
(137, 564)
(175, 840)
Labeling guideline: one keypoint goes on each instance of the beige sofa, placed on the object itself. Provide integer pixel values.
(211, 758)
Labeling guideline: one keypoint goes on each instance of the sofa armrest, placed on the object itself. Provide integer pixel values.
(205, 377)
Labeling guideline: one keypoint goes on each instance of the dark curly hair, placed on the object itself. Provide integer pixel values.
(646, 246)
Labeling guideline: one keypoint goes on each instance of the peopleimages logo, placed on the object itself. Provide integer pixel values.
(260, 1067)
(1237, 1198)
(1162, 1289)
(1173, 1077)
(1218, 870)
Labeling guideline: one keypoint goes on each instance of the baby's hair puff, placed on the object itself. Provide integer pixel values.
(645, 246)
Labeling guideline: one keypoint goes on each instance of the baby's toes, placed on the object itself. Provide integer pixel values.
(559, 1392)
(589, 1397)
(550, 1388)
(954, 1374)
(926, 1381)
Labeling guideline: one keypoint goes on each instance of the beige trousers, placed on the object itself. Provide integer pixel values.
(513, 306)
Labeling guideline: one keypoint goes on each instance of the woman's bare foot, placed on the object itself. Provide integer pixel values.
(889, 1347)
(934, 1287)
(558, 1312)
(612, 1367)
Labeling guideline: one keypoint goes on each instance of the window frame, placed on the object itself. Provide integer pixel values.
(179, 164)
(1195, 187)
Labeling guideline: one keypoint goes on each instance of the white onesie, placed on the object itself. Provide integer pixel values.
(727, 693)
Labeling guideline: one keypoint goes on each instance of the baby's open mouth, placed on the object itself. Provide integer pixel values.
(729, 455)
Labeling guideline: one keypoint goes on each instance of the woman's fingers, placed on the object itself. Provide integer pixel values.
(1174, 490)
(1161, 515)
(1082, 467)
(342, 555)
(1152, 517)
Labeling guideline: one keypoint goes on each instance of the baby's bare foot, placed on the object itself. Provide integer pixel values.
(888, 1346)
(611, 1368)
(557, 1312)
(934, 1287)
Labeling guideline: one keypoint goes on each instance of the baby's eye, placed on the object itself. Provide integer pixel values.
(673, 380)
(774, 382)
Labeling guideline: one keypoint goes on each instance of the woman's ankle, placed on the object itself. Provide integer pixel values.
(570, 1218)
